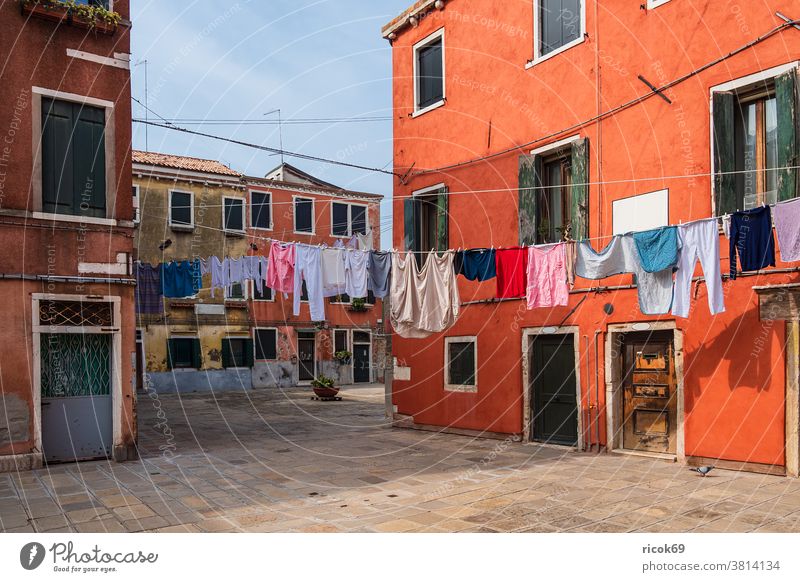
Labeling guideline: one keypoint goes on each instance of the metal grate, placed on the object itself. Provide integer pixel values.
(76, 313)
(75, 364)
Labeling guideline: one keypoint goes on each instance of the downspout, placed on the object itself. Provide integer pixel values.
(598, 90)
(587, 444)
(598, 416)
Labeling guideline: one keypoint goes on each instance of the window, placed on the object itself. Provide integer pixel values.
(558, 25)
(341, 340)
(304, 215)
(136, 214)
(265, 295)
(426, 220)
(184, 352)
(754, 133)
(348, 219)
(236, 292)
(343, 299)
(429, 73)
(554, 200)
(73, 159)
(181, 210)
(266, 340)
(261, 210)
(237, 352)
(461, 355)
(233, 215)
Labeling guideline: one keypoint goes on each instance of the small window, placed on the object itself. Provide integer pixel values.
(136, 213)
(233, 215)
(460, 362)
(362, 337)
(236, 292)
(261, 210)
(237, 352)
(553, 208)
(427, 215)
(181, 210)
(429, 72)
(266, 344)
(559, 25)
(73, 157)
(340, 341)
(304, 215)
(183, 352)
(343, 299)
(265, 295)
(348, 219)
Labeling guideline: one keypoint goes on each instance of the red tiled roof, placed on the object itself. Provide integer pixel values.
(183, 163)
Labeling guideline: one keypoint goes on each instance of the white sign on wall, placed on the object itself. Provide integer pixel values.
(641, 212)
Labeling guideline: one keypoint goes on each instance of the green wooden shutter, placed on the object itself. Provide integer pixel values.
(409, 207)
(724, 155)
(248, 353)
(579, 210)
(227, 354)
(787, 95)
(170, 351)
(89, 161)
(197, 354)
(442, 221)
(530, 173)
(57, 176)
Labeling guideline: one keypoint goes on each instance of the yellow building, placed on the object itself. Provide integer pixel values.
(189, 208)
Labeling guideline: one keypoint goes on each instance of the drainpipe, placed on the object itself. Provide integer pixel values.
(388, 366)
(587, 443)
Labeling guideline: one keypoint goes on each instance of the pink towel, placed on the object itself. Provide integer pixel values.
(547, 277)
(280, 269)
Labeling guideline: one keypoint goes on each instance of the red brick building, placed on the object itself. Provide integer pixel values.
(493, 98)
(291, 205)
(66, 222)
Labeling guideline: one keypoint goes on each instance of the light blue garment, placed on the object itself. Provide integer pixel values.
(658, 248)
(380, 273)
(307, 267)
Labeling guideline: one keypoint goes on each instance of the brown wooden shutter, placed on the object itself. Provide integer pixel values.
(579, 211)
(724, 157)
(788, 110)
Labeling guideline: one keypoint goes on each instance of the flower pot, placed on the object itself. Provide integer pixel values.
(49, 12)
(99, 26)
(323, 392)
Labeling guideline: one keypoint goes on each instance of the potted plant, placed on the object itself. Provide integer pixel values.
(324, 387)
(90, 16)
(45, 9)
(358, 304)
(343, 357)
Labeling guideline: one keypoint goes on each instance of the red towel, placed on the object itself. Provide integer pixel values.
(511, 272)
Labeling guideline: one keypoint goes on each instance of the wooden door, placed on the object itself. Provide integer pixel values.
(554, 403)
(650, 401)
(306, 348)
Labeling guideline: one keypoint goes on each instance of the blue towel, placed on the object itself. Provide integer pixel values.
(658, 248)
(177, 279)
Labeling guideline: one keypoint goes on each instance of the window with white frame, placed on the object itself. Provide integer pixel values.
(136, 212)
(266, 343)
(233, 215)
(460, 364)
(303, 215)
(558, 25)
(341, 341)
(261, 210)
(348, 219)
(266, 293)
(429, 84)
(236, 292)
(181, 210)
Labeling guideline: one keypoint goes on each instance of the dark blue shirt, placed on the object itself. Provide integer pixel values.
(476, 264)
(751, 236)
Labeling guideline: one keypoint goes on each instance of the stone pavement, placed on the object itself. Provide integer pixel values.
(276, 461)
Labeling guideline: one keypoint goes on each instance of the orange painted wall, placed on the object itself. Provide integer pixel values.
(734, 386)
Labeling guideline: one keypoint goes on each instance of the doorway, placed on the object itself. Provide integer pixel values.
(306, 355)
(650, 395)
(553, 386)
(140, 361)
(77, 414)
(362, 357)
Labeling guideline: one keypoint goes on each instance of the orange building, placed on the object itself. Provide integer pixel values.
(518, 121)
(291, 205)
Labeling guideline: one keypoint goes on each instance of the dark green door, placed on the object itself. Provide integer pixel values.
(554, 406)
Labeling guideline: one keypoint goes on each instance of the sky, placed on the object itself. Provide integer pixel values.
(210, 60)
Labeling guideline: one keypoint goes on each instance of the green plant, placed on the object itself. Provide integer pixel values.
(342, 356)
(359, 304)
(90, 13)
(322, 381)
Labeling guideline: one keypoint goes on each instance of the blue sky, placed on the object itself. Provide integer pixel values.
(239, 60)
